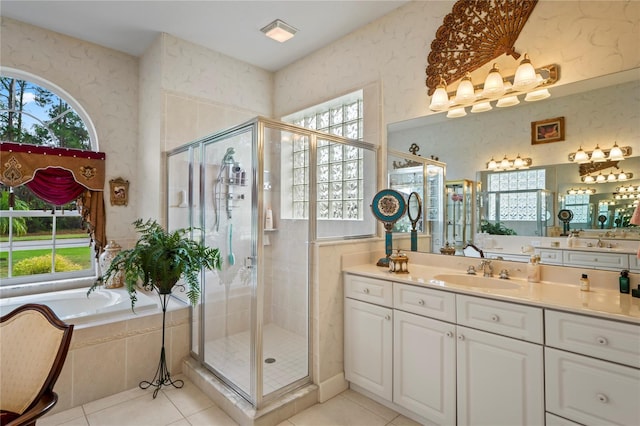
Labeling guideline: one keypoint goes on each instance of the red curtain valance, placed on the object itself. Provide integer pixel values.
(58, 176)
(19, 164)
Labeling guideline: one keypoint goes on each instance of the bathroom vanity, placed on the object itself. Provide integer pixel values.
(443, 347)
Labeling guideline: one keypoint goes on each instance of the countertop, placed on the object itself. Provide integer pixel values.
(604, 303)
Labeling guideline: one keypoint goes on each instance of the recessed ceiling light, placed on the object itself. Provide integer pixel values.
(279, 31)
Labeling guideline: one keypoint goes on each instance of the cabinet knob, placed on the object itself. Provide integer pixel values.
(495, 318)
(460, 337)
(387, 317)
(601, 340)
(602, 398)
(365, 291)
(421, 302)
(449, 334)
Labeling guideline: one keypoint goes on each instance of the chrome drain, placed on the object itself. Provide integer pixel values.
(270, 360)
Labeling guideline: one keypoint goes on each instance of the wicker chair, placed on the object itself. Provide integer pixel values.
(33, 347)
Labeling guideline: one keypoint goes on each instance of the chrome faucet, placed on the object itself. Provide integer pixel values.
(486, 268)
(599, 243)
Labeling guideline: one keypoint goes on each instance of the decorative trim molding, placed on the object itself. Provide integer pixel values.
(474, 33)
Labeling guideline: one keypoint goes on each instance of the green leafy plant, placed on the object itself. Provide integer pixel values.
(159, 259)
(496, 228)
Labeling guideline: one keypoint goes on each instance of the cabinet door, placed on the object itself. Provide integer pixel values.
(590, 391)
(368, 347)
(424, 376)
(500, 380)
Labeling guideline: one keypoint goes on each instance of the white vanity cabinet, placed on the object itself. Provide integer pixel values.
(592, 369)
(368, 334)
(500, 379)
(424, 352)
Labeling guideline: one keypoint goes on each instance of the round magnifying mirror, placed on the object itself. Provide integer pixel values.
(414, 208)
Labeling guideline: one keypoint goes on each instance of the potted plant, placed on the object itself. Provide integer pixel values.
(159, 259)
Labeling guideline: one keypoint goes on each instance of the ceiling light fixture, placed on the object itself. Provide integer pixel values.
(279, 31)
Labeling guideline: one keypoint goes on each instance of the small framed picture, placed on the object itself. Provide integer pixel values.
(545, 131)
(119, 192)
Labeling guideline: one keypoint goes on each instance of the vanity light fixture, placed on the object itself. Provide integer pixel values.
(581, 191)
(279, 30)
(628, 189)
(507, 164)
(611, 177)
(505, 90)
(598, 155)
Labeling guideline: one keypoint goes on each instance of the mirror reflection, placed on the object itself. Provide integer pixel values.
(599, 111)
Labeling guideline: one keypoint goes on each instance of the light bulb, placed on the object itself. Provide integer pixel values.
(456, 112)
(465, 93)
(611, 177)
(588, 179)
(581, 157)
(518, 162)
(493, 84)
(537, 95)
(505, 163)
(440, 98)
(622, 175)
(597, 156)
(481, 107)
(492, 165)
(600, 178)
(508, 101)
(525, 77)
(616, 153)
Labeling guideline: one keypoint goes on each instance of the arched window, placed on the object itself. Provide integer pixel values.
(49, 168)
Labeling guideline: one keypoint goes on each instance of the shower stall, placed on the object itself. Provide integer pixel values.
(250, 192)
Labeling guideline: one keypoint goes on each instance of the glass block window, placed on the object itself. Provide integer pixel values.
(339, 168)
(515, 202)
(579, 205)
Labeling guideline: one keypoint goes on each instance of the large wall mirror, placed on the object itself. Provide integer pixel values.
(600, 111)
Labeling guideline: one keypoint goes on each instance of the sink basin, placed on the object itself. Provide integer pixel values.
(477, 281)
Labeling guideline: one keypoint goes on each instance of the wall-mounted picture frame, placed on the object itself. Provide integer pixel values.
(119, 192)
(546, 131)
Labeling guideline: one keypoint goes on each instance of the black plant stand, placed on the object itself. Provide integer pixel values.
(162, 377)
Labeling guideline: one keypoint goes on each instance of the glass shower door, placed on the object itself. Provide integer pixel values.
(229, 225)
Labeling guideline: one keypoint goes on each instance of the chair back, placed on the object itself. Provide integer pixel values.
(33, 347)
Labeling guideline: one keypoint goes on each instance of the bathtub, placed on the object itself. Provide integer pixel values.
(73, 306)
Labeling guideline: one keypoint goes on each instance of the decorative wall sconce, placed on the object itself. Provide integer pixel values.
(606, 203)
(505, 91)
(581, 191)
(626, 196)
(598, 155)
(507, 164)
(611, 177)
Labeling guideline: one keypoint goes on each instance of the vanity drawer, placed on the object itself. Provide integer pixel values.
(600, 338)
(424, 301)
(550, 257)
(590, 391)
(369, 290)
(634, 263)
(595, 260)
(508, 319)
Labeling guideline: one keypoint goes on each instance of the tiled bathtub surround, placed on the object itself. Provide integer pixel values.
(107, 358)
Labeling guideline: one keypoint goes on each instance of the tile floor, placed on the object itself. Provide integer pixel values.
(189, 406)
(232, 356)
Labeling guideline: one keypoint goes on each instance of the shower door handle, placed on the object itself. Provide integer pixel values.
(249, 261)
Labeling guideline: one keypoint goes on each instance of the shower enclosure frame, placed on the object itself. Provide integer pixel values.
(197, 160)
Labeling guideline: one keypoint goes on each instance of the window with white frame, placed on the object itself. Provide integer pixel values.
(40, 241)
(518, 198)
(339, 168)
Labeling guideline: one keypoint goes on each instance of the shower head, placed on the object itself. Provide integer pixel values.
(228, 156)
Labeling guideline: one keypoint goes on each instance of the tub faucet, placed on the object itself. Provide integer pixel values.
(486, 268)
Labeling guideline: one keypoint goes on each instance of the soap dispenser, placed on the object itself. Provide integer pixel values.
(533, 269)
